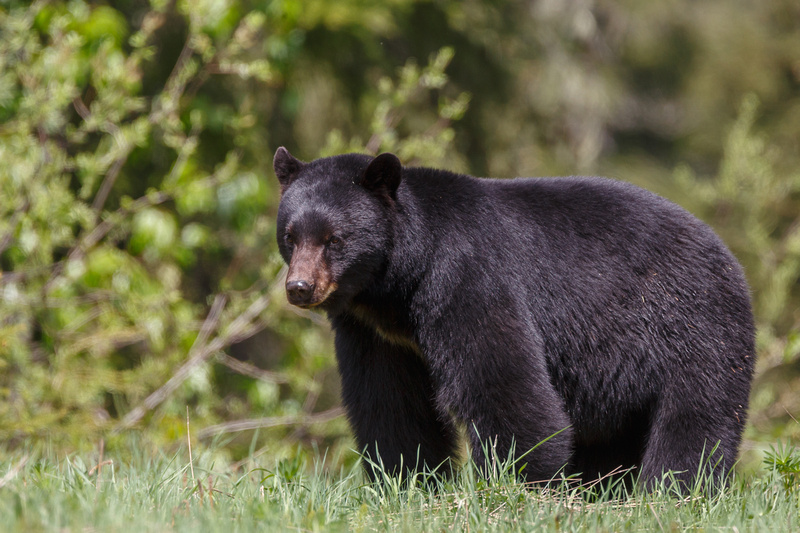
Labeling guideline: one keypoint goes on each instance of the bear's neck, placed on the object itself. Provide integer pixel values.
(388, 316)
(386, 304)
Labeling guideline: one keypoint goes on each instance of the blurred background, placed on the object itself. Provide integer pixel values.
(140, 284)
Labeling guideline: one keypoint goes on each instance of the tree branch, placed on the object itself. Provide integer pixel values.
(252, 371)
(243, 326)
(199, 352)
(270, 421)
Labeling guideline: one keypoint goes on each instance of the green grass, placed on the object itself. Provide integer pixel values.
(170, 494)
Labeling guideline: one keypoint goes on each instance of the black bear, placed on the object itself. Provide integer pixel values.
(582, 309)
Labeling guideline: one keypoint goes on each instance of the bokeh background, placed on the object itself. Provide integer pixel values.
(140, 285)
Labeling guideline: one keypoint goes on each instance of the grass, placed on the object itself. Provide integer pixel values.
(161, 493)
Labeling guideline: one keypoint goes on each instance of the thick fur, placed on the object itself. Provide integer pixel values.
(521, 308)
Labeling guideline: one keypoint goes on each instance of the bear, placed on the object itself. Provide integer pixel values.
(577, 325)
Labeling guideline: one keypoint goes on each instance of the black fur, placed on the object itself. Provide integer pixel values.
(520, 308)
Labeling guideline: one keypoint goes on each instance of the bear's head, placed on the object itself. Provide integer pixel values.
(334, 224)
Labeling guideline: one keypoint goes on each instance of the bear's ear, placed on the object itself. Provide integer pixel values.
(383, 174)
(286, 166)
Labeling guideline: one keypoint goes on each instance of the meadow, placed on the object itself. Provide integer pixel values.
(156, 492)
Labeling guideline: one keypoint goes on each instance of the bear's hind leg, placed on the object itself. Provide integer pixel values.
(689, 440)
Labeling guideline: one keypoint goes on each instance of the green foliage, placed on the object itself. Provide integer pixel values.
(136, 227)
(405, 99)
(138, 269)
(784, 460)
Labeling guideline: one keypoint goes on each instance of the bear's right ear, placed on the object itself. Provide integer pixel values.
(383, 175)
(286, 166)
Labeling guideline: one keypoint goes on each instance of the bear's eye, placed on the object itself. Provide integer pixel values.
(289, 239)
(334, 240)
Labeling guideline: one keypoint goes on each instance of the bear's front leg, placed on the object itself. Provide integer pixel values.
(491, 374)
(388, 394)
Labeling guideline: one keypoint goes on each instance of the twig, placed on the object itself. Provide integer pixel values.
(312, 397)
(242, 327)
(252, 371)
(189, 441)
(113, 172)
(96, 467)
(16, 469)
(210, 491)
(390, 121)
(309, 404)
(109, 180)
(313, 316)
(199, 352)
(268, 422)
(81, 108)
(100, 231)
(148, 200)
(99, 464)
(658, 521)
(211, 67)
(173, 86)
(790, 414)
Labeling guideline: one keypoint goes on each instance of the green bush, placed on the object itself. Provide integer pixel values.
(138, 271)
(136, 229)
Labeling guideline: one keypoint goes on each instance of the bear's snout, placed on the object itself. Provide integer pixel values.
(299, 292)
(309, 281)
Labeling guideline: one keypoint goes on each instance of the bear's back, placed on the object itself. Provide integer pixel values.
(598, 268)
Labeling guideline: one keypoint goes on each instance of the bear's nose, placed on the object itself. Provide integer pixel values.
(299, 292)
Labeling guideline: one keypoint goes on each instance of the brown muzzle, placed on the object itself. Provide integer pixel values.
(309, 280)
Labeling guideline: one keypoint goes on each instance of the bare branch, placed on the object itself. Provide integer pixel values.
(252, 371)
(90, 239)
(16, 469)
(173, 87)
(111, 176)
(240, 328)
(270, 421)
(199, 352)
(81, 108)
(108, 182)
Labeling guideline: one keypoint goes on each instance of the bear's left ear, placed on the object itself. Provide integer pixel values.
(383, 174)
(286, 166)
